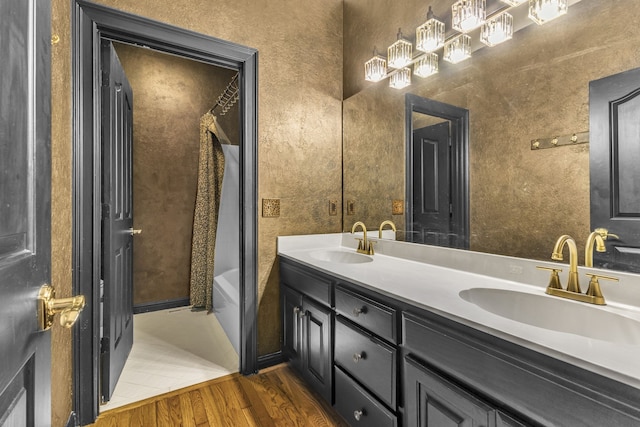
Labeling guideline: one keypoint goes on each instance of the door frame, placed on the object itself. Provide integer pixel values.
(459, 118)
(91, 22)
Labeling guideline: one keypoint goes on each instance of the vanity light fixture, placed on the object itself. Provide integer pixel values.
(427, 65)
(457, 49)
(430, 35)
(375, 69)
(399, 53)
(542, 11)
(401, 78)
(497, 30)
(468, 15)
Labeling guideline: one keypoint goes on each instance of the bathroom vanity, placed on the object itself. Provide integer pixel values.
(418, 335)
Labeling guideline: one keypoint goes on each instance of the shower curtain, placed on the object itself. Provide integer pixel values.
(205, 220)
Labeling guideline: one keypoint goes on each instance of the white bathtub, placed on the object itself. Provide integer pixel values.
(226, 307)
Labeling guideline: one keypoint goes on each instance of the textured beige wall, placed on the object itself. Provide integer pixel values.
(169, 96)
(534, 86)
(299, 132)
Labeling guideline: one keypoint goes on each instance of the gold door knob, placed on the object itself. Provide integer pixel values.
(135, 231)
(48, 306)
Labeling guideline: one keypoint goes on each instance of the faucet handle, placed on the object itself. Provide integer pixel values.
(369, 250)
(605, 234)
(594, 287)
(360, 243)
(554, 281)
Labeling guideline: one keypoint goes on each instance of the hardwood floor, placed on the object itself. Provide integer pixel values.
(275, 397)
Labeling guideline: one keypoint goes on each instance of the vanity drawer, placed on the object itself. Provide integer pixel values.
(372, 315)
(357, 406)
(317, 287)
(368, 359)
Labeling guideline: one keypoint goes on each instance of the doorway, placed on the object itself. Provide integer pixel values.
(91, 24)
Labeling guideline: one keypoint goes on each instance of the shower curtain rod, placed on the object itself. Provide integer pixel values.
(228, 97)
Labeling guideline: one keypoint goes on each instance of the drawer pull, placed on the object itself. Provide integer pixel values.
(358, 357)
(358, 414)
(358, 311)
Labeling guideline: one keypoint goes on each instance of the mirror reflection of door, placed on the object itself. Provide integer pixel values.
(614, 155)
(431, 184)
(437, 183)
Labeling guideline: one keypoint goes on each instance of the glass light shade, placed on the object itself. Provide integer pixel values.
(458, 49)
(430, 35)
(541, 11)
(426, 66)
(375, 69)
(514, 2)
(497, 30)
(468, 14)
(401, 78)
(399, 53)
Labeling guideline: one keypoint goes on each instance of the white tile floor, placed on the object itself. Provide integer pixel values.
(173, 349)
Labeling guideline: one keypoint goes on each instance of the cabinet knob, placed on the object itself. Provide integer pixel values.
(358, 357)
(359, 310)
(357, 414)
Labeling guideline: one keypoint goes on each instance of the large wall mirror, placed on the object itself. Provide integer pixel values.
(534, 86)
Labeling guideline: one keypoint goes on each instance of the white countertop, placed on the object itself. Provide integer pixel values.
(397, 271)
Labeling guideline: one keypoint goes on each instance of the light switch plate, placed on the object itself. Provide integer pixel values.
(351, 210)
(333, 207)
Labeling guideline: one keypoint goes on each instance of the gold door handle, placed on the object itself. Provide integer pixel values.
(48, 306)
(135, 231)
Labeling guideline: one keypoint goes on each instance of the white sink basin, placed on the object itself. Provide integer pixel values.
(556, 314)
(341, 257)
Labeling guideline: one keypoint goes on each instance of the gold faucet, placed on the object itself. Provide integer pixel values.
(364, 246)
(595, 239)
(593, 294)
(387, 222)
(573, 285)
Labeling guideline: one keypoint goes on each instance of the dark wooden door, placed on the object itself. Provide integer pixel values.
(317, 353)
(117, 219)
(291, 310)
(25, 200)
(614, 159)
(432, 185)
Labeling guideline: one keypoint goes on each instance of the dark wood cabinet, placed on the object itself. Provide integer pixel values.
(291, 303)
(431, 400)
(397, 364)
(307, 325)
(317, 347)
(308, 339)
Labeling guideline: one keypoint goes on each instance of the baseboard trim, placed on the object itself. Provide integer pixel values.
(271, 359)
(72, 422)
(160, 305)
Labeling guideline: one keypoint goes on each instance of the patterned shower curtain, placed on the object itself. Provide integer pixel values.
(210, 173)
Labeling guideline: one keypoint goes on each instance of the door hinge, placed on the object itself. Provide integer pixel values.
(104, 345)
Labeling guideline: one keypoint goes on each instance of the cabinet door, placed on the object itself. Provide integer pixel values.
(291, 325)
(432, 401)
(317, 353)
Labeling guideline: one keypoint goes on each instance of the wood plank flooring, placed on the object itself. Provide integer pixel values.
(275, 397)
